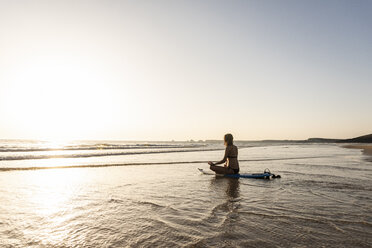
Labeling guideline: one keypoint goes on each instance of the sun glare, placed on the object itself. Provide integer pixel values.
(58, 101)
(57, 189)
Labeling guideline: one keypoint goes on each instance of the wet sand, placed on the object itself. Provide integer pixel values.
(366, 149)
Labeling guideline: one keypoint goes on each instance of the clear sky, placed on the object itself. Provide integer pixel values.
(163, 70)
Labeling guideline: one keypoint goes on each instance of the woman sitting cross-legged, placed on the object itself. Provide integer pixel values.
(230, 159)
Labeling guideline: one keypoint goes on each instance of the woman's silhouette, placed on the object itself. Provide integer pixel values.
(230, 159)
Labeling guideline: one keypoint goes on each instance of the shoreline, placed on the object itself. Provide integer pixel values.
(366, 150)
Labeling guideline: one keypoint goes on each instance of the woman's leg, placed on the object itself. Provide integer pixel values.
(221, 169)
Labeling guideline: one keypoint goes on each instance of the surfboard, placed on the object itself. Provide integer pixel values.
(265, 175)
(205, 172)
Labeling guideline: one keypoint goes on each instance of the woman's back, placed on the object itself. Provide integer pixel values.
(231, 154)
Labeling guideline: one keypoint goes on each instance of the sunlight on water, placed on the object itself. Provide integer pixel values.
(323, 199)
(56, 189)
(52, 195)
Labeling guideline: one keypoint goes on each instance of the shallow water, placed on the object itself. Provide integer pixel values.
(323, 199)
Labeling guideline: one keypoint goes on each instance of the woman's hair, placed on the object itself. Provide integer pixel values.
(228, 139)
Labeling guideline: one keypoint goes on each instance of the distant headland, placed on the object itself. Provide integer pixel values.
(361, 139)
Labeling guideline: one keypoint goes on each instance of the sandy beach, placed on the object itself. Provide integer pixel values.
(366, 149)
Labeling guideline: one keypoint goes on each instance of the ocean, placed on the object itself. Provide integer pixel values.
(151, 194)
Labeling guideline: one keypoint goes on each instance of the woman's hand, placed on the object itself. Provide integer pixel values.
(210, 163)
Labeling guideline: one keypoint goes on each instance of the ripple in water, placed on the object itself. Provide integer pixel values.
(317, 203)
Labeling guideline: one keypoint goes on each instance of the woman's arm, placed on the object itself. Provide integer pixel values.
(223, 160)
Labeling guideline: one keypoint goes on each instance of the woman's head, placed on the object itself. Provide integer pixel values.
(228, 138)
